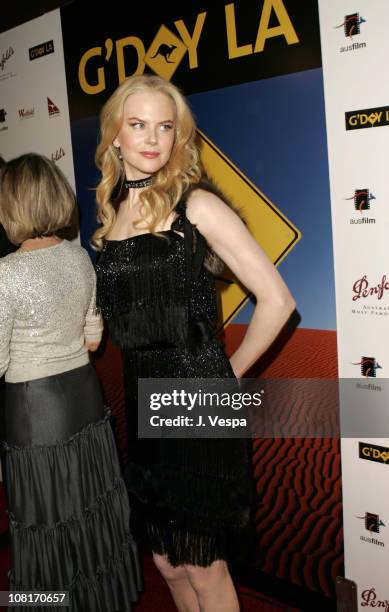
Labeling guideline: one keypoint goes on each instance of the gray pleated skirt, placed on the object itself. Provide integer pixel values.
(68, 506)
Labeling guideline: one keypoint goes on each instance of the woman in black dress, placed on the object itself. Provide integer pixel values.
(160, 235)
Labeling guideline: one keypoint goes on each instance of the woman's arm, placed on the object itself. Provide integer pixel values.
(230, 239)
(6, 321)
(93, 328)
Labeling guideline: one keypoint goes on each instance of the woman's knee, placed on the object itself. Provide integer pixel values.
(168, 571)
(203, 578)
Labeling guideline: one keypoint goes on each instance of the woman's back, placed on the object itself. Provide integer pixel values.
(45, 295)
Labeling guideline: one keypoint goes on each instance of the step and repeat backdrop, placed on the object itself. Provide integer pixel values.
(34, 111)
(355, 48)
(253, 74)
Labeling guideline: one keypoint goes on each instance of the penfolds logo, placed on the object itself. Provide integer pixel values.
(57, 155)
(369, 599)
(362, 289)
(5, 57)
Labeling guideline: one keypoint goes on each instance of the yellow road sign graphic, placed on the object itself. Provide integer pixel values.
(165, 53)
(272, 230)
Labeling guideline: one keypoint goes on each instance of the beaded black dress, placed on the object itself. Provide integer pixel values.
(190, 496)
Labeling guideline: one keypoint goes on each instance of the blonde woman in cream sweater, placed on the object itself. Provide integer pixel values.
(68, 508)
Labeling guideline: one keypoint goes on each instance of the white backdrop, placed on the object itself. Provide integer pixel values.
(34, 114)
(355, 49)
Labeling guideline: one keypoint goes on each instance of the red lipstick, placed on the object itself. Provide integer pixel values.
(149, 154)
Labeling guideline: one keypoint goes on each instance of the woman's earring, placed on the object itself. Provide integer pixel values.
(120, 156)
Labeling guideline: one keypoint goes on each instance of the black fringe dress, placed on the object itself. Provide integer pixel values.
(191, 496)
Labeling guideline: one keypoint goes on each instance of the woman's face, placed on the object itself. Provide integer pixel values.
(146, 136)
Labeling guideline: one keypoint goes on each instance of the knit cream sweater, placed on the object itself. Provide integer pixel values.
(47, 311)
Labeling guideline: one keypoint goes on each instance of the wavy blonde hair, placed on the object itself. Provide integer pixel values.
(182, 169)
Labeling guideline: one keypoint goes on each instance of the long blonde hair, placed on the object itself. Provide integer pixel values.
(182, 169)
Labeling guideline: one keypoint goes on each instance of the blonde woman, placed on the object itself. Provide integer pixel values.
(68, 505)
(6, 247)
(162, 235)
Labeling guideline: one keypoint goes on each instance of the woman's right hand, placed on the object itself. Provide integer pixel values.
(92, 346)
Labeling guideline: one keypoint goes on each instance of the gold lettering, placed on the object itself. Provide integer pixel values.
(87, 87)
(139, 47)
(233, 49)
(366, 451)
(108, 48)
(353, 120)
(191, 42)
(285, 27)
(37, 51)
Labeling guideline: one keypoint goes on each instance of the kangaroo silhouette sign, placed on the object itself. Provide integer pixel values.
(165, 53)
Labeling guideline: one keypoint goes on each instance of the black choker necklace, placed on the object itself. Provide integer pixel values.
(146, 182)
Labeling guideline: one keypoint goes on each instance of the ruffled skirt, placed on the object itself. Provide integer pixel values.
(68, 507)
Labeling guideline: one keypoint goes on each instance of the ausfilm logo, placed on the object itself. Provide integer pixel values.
(3, 114)
(369, 366)
(52, 108)
(362, 200)
(367, 118)
(370, 599)
(373, 524)
(372, 452)
(351, 26)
